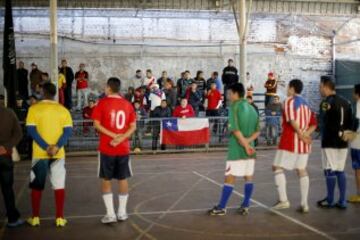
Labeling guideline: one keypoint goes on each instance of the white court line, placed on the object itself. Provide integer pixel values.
(291, 219)
(140, 213)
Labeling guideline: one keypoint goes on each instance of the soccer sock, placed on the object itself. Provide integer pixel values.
(226, 193)
(248, 190)
(342, 186)
(330, 185)
(304, 190)
(280, 181)
(35, 202)
(109, 204)
(59, 202)
(123, 199)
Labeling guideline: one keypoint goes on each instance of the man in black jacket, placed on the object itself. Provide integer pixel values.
(335, 120)
(162, 111)
(23, 82)
(229, 77)
(69, 76)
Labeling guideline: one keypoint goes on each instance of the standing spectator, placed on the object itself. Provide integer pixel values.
(184, 110)
(139, 96)
(82, 90)
(137, 136)
(69, 77)
(183, 84)
(155, 98)
(23, 83)
(162, 111)
(194, 97)
(35, 78)
(200, 82)
(150, 79)
(50, 125)
(273, 115)
(249, 85)
(229, 77)
(10, 136)
(130, 95)
(170, 93)
(214, 102)
(162, 81)
(61, 87)
(214, 78)
(87, 113)
(138, 80)
(271, 88)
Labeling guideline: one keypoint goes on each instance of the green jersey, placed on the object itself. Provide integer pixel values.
(244, 118)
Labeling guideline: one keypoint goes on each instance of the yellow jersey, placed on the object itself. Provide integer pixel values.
(49, 118)
(61, 80)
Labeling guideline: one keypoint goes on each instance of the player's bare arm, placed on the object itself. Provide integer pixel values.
(103, 130)
(121, 137)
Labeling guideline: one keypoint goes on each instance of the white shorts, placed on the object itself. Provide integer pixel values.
(334, 159)
(290, 161)
(240, 168)
(41, 168)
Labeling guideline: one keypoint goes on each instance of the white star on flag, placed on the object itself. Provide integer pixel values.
(169, 124)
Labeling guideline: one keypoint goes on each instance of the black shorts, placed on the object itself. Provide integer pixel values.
(114, 167)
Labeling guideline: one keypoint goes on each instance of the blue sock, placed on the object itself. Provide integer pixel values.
(226, 193)
(330, 185)
(248, 190)
(342, 186)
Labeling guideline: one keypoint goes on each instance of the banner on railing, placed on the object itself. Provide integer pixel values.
(185, 131)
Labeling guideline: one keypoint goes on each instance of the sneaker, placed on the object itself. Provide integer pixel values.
(281, 205)
(108, 219)
(217, 211)
(243, 211)
(324, 204)
(303, 209)
(34, 221)
(137, 150)
(122, 217)
(60, 222)
(354, 199)
(341, 206)
(15, 224)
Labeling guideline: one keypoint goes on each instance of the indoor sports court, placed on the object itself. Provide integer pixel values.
(170, 198)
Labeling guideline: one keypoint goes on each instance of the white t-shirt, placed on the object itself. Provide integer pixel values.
(156, 100)
(355, 144)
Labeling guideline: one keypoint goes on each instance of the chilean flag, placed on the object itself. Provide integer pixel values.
(185, 131)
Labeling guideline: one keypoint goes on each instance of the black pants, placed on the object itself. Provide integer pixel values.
(215, 122)
(155, 139)
(68, 97)
(6, 182)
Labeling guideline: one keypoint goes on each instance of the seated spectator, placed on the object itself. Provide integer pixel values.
(139, 96)
(130, 95)
(184, 110)
(214, 102)
(216, 79)
(162, 111)
(273, 115)
(162, 81)
(251, 102)
(200, 82)
(194, 97)
(183, 84)
(150, 79)
(87, 113)
(137, 136)
(170, 94)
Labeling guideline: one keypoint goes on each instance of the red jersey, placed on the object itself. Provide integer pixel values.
(214, 97)
(296, 109)
(81, 80)
(115, 114)
(180, 112)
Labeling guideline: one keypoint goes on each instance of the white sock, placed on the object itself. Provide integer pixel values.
(123, 199)
(304, 190)
(280, 182)
(109, 204)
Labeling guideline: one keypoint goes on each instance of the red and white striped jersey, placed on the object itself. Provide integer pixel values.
(298, 110)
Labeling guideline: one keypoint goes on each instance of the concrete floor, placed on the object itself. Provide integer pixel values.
(169, 198)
